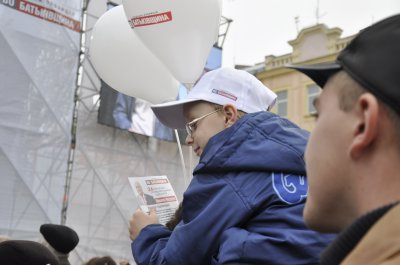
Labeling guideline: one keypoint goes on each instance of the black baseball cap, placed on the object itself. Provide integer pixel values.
(372, 59)
(62, 238)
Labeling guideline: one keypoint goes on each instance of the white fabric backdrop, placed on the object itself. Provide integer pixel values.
(38, 72)
(38, 68)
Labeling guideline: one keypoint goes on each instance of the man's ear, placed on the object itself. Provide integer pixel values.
(366, 129)
(230, 113)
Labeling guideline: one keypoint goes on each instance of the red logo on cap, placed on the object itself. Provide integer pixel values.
(224, 94)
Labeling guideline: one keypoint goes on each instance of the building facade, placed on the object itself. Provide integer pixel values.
(296, 92)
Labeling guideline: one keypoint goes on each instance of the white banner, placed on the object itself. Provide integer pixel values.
(39, 45)
(64, 13)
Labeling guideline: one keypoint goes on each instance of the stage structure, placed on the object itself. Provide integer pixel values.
(59, 165)
(39, 43)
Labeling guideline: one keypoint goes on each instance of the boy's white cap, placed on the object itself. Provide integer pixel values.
(220, 86)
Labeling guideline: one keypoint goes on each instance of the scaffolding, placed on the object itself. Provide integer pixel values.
(56, 158)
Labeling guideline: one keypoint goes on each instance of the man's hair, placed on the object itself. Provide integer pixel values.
(106, 260)
(175, 219)
(350, 91)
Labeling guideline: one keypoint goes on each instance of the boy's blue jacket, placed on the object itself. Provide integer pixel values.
(244, 204)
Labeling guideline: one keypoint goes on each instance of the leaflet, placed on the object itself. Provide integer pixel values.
(155, 192)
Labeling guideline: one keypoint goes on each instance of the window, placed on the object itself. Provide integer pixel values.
(312, 92)
(282, 103)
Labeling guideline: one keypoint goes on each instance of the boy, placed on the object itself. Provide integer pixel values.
(245, 202)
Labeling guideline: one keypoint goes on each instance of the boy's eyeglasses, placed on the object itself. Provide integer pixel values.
(191, 126)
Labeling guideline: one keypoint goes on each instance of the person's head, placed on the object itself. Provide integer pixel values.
(353, 152)
(106, 260)
(61, 238)
(139, 188)
(123, 262)
(24, 252)
(175, 219)
(216, 102)
(4, 238)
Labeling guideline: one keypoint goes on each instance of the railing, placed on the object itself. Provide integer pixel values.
(278, 61)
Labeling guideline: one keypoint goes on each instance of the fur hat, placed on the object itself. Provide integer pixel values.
(60, 237)
(23, 252)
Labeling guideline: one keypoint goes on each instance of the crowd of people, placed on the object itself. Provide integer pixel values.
(266, 191)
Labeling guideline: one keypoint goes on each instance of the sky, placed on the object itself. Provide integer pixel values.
(263, 27)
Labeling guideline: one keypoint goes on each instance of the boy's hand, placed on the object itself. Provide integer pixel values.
(140, 220)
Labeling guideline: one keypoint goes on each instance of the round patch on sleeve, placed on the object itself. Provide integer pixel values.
(291, 189)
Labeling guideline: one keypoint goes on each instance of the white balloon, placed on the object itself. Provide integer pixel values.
(180, 33)
(125, 64)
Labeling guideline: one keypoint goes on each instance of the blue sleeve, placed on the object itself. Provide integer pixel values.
(121, 112)
(241, 218)
(207, 212)
(152, 239)
(280, 246)
(275, 234)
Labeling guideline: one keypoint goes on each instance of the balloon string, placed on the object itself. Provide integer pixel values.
(188, 86)
(182, 160)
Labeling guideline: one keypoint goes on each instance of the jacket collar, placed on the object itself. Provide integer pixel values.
(347, 240)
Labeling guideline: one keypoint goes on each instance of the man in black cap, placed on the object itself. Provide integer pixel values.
(23, 252)
(60, 239)
(353, 155)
